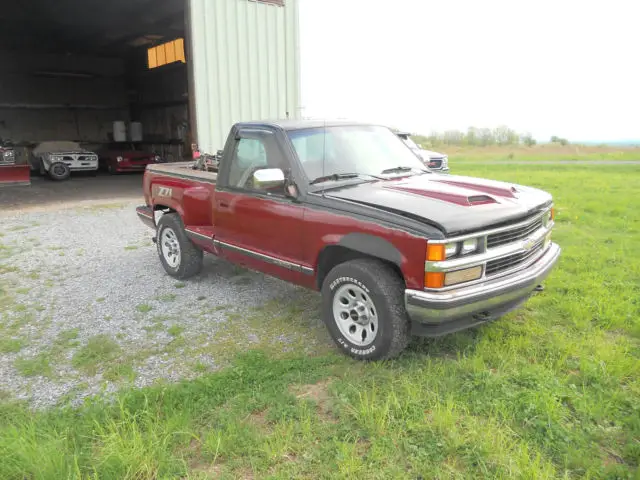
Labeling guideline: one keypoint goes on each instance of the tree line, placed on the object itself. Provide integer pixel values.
(483, 137)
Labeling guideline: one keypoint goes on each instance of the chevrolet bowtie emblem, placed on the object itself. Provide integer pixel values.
(528, 244)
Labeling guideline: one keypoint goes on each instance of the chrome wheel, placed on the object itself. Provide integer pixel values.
(170, 247)
(355, 315)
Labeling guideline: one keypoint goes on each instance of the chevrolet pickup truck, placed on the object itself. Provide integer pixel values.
(347, 209)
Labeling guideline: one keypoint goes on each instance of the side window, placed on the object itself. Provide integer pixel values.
(249, 154)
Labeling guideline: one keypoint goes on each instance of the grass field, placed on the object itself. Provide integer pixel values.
(544, 152)
(550, 391)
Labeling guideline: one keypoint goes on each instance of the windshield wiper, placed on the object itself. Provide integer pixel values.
(339, 176)
(397, 170)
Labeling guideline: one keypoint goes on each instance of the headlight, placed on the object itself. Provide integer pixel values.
(119, 159)
(157, 159)
(451, 249)
(469, 246)
(437, 252)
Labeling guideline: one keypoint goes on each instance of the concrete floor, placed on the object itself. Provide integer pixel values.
(80, 189)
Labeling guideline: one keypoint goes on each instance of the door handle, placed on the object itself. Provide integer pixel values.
(223, 204)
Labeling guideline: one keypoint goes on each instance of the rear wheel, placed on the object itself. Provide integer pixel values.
(363, 309)
(59, 171)
(178, 255)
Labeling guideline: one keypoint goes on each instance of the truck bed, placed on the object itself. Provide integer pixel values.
(184, 170)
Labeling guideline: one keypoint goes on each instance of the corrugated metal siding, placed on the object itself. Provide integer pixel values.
(245, 59)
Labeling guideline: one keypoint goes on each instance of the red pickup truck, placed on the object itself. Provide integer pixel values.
(347, 209)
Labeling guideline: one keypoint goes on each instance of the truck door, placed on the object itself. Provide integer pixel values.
(258, 227)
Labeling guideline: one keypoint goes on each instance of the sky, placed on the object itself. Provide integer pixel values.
(565, 67)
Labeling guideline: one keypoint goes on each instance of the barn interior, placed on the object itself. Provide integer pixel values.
(93, 72)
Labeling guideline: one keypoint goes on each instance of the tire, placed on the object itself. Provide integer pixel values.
(372, 293)
(179, 256)
(111, 169)
(59, 171)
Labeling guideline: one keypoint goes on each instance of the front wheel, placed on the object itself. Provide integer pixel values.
(179, 256)
(59, 171)
(363, 309)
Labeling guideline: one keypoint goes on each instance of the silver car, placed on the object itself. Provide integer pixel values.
(59, 159)
(438, 162)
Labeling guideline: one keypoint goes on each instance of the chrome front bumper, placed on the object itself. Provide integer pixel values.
(437, 313)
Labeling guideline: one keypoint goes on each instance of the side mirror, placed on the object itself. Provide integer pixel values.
(268, 178)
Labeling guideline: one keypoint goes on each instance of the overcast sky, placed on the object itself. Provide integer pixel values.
(566, 67)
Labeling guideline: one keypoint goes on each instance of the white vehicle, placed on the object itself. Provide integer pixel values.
(59, 159)
(434, 160)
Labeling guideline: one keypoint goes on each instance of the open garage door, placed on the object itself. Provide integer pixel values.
(78, 72)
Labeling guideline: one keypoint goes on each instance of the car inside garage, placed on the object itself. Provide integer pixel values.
(96, 76)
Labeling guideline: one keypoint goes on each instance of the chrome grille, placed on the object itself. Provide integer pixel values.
(511, 261)
(435, 163)
(514, 235)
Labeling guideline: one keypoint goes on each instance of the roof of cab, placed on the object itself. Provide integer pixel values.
(302, 124)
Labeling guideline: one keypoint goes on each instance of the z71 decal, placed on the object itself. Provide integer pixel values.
(162, 191)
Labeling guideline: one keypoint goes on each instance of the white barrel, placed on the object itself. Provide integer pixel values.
(119, 131)
(135, 131)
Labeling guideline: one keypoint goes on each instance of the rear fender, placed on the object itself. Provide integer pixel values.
(196, 202)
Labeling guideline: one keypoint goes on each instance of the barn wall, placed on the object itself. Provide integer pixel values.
(245, 60)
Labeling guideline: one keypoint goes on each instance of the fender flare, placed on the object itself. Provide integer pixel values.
(372, 245)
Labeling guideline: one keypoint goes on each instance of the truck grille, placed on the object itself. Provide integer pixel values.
(511, 261)
(435, 162)
(514, 235)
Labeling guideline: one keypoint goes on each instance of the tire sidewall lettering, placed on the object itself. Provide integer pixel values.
(363, 352)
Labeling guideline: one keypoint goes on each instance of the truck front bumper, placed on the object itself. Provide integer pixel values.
(438, 313)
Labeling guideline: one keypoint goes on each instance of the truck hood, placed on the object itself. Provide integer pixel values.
(454, 204)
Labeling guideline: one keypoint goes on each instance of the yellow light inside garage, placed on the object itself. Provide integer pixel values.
(169, 52)
(462, 276)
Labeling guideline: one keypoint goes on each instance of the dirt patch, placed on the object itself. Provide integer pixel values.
(258, 419)
(611, 458)
(319, 394)
(211, 471)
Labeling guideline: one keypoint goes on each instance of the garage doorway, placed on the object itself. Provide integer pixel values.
(104, 75)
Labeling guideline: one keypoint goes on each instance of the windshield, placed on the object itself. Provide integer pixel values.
(364, 150)
(410, 143)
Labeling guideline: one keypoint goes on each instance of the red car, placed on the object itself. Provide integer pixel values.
(126, 157)
(395, 249)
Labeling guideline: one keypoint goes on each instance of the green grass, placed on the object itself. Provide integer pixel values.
(98, 352)
(11, 345)
(119, 371)
(549, 391)
(36, 366)
(175, 330)
(144, 308)
(167, 297)
(460, 155)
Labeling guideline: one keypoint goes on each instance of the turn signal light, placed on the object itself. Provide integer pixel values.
(553, 214)
(434, 279)
(435, 252)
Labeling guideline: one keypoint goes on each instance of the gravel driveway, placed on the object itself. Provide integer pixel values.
(87, 309)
